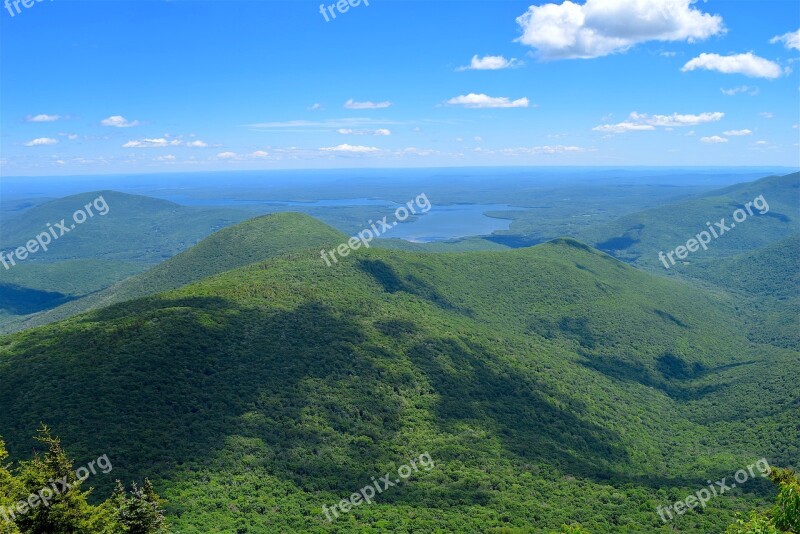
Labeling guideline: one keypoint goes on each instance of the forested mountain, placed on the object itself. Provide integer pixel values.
(639, 237)
(257, 239)
(549, 385)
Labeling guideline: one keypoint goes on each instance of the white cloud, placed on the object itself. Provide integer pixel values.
(601, 27)
(761, 142)
(164, 142)
(478, 139)
(623, 127)
(736, 133)
(350, 131)
(474, 100)
(42, 141)
(677, 119)
(747, 64)
(351, 104)
(714, 139)
(326, 124)
(42, 118)
(532, 151)
(315, 107)
(119, 121)
(789, 40)
(227, 155)
(259, 154)
(151, 143)
(356, 149)
(491, 63)
(644, 122)
(558, 149)
(168, 157)
(766, 114)
(667, 54)
(752, 91)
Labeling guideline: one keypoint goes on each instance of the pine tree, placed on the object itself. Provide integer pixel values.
(140, 512)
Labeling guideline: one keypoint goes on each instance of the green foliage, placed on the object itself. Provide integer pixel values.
(140, 511)
(258, 239)
(784, 517)
(552, 385)
(786, 514)
(45, 496)
(637, 238)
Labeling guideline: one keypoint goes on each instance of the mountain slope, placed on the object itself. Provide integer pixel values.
(638, 238)
(258, 239)
(126, 235)
(552, 384)
(766, 282)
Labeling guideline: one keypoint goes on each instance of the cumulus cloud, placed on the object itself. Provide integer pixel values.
(197, 144)
(118, 121)
(748, 64)
(601, 27)
(474, 100)
(42, 117)
(491, 63)
(42, 141)
(259, 154)
(353, 149)
(735, 133)
(352, 104)
(227, 155)
(752, 91)
(714, 140)
(643, 121)
(789, 40)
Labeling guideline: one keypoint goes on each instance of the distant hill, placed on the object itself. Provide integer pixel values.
(136, 233)
(639, 237)
(768, 279)
(257, 239)
(548, 384)
(135, 228)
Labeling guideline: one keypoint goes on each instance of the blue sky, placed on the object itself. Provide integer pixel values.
(104, 87)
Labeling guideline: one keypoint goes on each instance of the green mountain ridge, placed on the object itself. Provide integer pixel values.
(254, 240)
(254, 396)
(639, 237)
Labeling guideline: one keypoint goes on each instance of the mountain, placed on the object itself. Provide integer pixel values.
(122, 227)
(549, 385)
(125, 235)
(766, 284)
(638, 238)
(257, 239)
